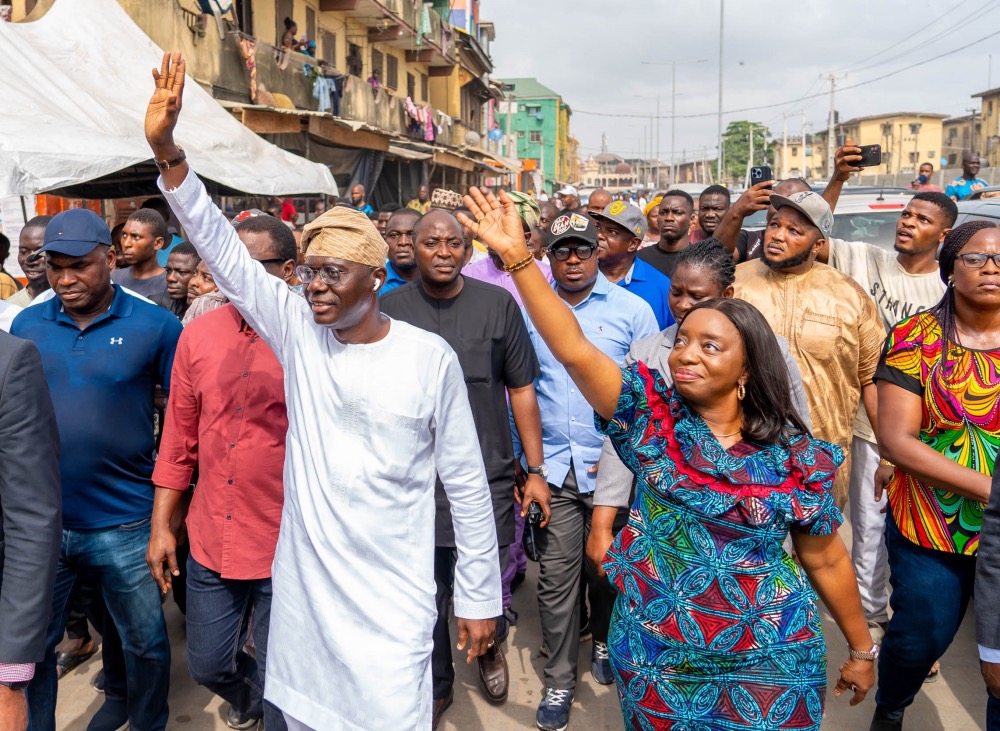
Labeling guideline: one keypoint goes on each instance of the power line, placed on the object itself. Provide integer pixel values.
(908, 37)
(800, 99)
(975, 15)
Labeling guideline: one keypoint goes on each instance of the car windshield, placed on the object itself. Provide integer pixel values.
(873, 227)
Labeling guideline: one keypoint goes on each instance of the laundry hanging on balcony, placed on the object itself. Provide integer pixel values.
(420, 120)
(327, 91)
(248, 49)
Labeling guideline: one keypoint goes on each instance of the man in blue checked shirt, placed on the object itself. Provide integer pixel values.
(612, 318)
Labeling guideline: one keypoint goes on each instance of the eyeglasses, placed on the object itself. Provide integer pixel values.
(582, 252)
(978, 261)
(328, 274)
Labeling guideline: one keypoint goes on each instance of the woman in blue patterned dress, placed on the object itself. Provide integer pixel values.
(715, 627)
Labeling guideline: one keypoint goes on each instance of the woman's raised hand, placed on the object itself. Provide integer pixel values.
(496, 223)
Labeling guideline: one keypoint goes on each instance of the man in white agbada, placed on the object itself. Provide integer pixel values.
(376, 407)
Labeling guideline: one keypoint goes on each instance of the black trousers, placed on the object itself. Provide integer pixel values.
(442, 665)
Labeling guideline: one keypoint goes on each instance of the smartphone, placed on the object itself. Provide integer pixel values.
(871, 155)
(761, 174)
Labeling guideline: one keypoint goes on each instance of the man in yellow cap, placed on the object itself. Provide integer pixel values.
(376, 409)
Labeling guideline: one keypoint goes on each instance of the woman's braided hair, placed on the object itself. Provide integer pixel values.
(944, 311)
(713, 255)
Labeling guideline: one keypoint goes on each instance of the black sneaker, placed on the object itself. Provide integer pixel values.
(553, 711)
(98, 682)
(239, 720)
(112, 716)
(600, 663)
(881, 722)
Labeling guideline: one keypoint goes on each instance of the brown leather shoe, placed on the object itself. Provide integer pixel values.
(440, 706)
(493, 674)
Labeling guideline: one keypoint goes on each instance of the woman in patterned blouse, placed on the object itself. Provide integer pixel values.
(938, 387)
(714, 626)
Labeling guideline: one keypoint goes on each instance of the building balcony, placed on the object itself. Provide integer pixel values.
(399, 24)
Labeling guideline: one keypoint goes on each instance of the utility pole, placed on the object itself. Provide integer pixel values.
(673, 121)
(972, 132)
(831, 136)
(722, 15)
(749, 159)
(657, 184)
(802, 170)
(784, 145)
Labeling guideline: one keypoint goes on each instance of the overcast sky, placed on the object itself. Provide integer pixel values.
(775, 51)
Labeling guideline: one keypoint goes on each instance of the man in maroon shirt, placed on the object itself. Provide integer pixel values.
(226, 423)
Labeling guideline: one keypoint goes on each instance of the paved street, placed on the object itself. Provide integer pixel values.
(955, 702)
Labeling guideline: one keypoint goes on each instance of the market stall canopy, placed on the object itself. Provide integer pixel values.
(74, 89)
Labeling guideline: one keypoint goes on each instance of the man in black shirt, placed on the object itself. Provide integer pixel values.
(676, 210)
(484, 326)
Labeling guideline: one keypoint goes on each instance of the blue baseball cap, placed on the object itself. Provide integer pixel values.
(75, 233)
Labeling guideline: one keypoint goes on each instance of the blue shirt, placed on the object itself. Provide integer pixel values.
(102, 381)
(392, 279)
(612, 319)
(961, 188)
(653, 286)
(366, 209)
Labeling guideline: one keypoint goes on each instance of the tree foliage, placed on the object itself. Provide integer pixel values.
(736, 142)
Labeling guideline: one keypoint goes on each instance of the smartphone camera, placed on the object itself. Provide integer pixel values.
(760, 174)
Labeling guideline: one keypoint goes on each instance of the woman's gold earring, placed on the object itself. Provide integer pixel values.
(741, 391)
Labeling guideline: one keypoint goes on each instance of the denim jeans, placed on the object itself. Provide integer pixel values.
(116, 557)
(930, 594)
(220, 615)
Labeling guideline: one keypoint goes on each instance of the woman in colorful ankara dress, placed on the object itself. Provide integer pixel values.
(938, 384)
(715, 627)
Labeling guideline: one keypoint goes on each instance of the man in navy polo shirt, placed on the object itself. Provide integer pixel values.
(620, 231)
(104, 352)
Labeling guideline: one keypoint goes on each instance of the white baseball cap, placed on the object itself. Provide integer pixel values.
(567, 190)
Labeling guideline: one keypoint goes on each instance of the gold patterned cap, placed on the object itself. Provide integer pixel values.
(345, 233)
(449, 200)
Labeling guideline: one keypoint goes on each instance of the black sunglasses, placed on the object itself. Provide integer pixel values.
(583, 253)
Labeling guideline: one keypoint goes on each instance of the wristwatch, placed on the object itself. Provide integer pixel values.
(167, 164)
(870, 656)
(539, 470)
(21, 685)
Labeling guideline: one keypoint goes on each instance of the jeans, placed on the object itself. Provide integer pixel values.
(220, 614)
(116, 557)
(930, 593)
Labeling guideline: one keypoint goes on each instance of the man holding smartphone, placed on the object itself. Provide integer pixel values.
(901, 284)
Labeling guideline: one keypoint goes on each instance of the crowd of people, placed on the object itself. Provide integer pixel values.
(326, 446)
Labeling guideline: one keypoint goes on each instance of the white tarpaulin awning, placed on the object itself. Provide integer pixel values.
(73, 92)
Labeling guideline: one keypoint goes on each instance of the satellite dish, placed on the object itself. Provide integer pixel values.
(539, 116)
(472, 138)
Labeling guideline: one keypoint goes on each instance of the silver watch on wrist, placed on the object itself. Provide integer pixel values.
(870, 656)
(539, 470)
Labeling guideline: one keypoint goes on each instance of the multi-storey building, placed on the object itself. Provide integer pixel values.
(535, 121)
(390, 93)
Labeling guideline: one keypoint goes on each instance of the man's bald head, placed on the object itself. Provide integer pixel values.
(437, 216)
(598, 201)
